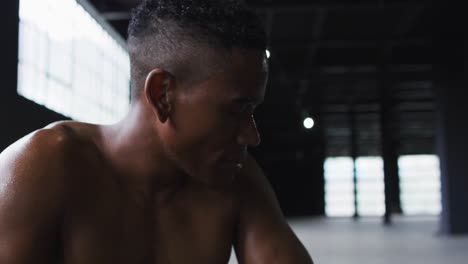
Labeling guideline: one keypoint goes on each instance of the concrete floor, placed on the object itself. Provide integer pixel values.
(411, 240)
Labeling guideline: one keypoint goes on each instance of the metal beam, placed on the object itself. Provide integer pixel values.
(408, 19)
(123, 15)
(269, 23)
(345, 6)
(316, 33)
(288, 42)
(354, 155)
(271, 7)
(104, 23)
(370, 68)
(357, 73)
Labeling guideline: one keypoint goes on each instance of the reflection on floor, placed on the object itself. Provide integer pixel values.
(411, 240)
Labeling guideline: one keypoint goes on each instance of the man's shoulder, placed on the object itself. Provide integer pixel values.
(51, 140)
(46, 150)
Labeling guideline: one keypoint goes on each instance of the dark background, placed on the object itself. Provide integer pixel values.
(384, 78)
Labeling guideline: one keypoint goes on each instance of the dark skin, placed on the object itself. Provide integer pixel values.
(171, 183)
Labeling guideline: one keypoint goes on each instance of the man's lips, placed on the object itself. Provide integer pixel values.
(234, 162)
(236, 159)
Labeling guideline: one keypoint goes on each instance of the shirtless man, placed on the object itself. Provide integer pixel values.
(170, 183)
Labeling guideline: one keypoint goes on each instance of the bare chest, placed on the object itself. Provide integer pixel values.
(106, 228)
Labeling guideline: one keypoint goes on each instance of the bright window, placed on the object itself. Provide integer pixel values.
(419, 185)
(339, 197)
(339, 190)
(370, 186)
(420, 192)
(70, 64)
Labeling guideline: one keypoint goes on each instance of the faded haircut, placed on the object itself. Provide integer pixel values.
(171, 34)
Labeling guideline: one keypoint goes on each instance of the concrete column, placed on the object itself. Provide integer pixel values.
(451, 86)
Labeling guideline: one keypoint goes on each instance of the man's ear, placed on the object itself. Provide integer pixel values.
(158, 92)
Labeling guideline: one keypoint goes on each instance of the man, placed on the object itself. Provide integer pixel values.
(172, 182)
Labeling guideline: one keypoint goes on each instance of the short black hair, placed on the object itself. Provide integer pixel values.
(159, 30)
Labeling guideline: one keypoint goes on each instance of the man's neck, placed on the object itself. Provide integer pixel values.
(133, 149)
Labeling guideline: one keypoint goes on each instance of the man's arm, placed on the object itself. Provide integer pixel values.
(31, 196)
(263, 235)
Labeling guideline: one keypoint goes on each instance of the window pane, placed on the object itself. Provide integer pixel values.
(420, 184)
(339, 189)
(370, 186)
(339, 199)
(67, 62)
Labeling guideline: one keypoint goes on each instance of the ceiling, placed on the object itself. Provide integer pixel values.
(363, 64)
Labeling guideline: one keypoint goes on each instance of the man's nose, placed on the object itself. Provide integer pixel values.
(248, 134)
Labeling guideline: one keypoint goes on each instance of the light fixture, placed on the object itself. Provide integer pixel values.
(309, 123)
(267, 54)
